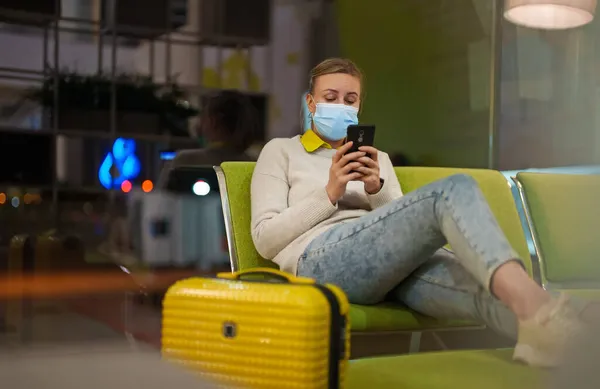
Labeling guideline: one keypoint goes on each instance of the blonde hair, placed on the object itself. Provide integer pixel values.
(334, 66)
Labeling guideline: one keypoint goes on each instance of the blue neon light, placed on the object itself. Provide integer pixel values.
(119, 165)
(167, 155)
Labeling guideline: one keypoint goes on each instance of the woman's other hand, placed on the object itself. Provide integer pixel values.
(369, 170)
(344, 168)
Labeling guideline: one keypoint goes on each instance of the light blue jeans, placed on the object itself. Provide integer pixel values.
(396, 253)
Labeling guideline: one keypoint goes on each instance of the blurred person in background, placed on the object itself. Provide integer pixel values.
(341, 218)
(228, 124)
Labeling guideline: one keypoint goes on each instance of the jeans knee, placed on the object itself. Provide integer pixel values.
(462, 181)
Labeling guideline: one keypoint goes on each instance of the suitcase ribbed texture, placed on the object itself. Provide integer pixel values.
(248, 334)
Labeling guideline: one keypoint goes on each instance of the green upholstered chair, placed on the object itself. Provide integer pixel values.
(489, 369)
(234, 184)
(496, 190)
(563, 212)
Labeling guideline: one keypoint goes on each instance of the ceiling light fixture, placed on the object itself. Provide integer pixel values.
(550, 14)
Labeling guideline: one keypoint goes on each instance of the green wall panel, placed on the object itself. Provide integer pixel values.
(418, 60)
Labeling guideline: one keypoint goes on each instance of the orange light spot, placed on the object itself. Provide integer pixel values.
(147, 186)
(126, 186)
(2, 198)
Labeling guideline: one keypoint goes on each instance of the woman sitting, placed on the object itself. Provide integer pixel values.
(343, 219)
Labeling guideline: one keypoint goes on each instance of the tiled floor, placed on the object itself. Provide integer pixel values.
(81, 321)
(91, 365)
(76, 343)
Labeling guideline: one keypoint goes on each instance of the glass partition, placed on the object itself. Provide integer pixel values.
(549, 97)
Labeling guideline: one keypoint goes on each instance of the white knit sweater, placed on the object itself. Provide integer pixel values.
(290, 206)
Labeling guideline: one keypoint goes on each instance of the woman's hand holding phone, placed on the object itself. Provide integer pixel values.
(344, 168)
(369, 169)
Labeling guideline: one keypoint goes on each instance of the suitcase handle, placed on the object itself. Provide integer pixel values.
(266, 272)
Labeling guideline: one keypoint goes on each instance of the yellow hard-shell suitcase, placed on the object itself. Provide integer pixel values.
(241, 331)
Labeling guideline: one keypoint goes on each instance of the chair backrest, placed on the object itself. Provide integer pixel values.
(495, 188)
(563, 212)
(235, 177)
(234, 183)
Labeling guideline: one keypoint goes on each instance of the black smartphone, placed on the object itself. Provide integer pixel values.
(360, 135)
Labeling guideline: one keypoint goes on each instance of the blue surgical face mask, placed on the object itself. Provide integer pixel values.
(332, 120)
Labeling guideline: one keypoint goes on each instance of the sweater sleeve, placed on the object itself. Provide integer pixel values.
(391, 186)
(275, 224)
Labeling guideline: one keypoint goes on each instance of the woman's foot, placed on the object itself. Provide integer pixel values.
(544, 337)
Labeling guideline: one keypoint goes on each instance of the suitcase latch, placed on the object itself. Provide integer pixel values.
(229, 330)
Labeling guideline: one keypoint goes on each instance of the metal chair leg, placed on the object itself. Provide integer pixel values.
(415, 342)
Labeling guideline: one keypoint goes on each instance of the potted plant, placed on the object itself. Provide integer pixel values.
(142, 106)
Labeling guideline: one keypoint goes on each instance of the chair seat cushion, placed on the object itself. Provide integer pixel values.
(395, 317)
(489, 369)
